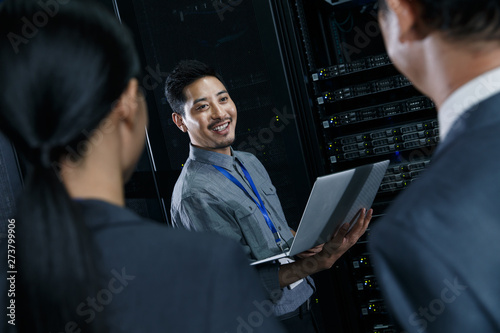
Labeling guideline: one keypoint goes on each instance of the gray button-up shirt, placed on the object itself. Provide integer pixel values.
(205, 200)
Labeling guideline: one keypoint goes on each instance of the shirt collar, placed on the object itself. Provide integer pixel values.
(465, 97)
(211, 157)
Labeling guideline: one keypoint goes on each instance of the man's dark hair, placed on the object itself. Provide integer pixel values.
(462, 19)
(185, 73)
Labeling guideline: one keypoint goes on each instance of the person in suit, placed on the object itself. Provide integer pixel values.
(79, 260)
(435, 252)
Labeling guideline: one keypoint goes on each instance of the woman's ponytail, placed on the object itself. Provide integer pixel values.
(56, 87)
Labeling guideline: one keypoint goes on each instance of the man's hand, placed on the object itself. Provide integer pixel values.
(330, 252)
(344, 239)
(310, 252)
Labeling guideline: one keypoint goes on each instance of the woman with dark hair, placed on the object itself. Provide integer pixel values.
(72, 107)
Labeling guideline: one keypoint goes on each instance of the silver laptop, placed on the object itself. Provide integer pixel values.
(334, 200)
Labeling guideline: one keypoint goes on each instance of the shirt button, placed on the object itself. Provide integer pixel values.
(279, 228)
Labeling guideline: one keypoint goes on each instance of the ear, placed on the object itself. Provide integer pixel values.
(409, 16)
(177, 118)
(126, 108)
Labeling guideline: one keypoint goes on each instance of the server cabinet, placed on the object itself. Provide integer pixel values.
(365, 111)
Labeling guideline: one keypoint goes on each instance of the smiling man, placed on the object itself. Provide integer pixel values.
(229, 192)
(217, 131)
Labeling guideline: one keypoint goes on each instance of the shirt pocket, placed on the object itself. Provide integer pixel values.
(273, 205)
(255, 231)
(269, 189)
(270, 197)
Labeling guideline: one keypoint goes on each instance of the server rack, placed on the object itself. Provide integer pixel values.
(365, 111)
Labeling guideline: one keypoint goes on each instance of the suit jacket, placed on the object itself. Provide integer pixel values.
(436, 252)
(163, 280)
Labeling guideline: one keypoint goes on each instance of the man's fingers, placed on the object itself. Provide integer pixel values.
(369, 215)
(360, 220)
(363, 221)
(311, 252)
(341, 232)
(368, 218)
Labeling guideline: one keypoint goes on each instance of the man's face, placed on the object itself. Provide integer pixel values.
(209, 115)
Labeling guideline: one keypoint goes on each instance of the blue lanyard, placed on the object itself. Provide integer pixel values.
(259, 204)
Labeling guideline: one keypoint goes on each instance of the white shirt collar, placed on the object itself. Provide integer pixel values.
(468, 95)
